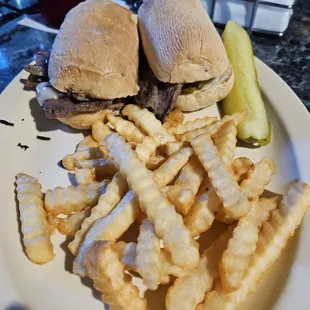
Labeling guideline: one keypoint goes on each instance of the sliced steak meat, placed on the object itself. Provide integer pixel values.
(66, 106)
(160, 97)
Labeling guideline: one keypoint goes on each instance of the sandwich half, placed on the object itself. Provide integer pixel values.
(93, 64)
(183, 47)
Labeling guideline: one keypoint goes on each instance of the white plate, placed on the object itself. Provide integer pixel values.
(52, 286)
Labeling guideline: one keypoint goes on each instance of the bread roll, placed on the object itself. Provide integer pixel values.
(180, 41)
(211, 93)
(95, 53)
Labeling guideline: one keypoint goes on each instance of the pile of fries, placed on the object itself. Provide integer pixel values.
(174, 180)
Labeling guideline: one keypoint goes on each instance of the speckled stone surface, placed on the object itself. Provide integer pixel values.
(289, 56)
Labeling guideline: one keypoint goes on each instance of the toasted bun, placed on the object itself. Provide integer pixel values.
(211, 93)
(85, 120)
(180, 41)
(95, 53)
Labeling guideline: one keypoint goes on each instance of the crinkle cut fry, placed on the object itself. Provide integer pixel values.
(70, 161)
(86, 143)
(107, 201)
(148, 146)
(174, 118)
(234, 201)
(100, 131)
(213, 128)
(148, 256)
(146, 121)
(107, 271)
(126, 129)
(257, 178)
(171, 167)
(110, 228)
(225, 141)
(192, 125)
(34, 225)
(199, 280)
(85, 175)
(183, 192)
(241, 247)
(240, 167)
(72, 223)
(273, 238)
(71, 199)
(176, 237)
(129, 254)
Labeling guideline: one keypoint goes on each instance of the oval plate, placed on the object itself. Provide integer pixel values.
(53, 286)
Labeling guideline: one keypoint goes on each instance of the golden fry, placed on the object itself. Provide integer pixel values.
(173, 119)
(126, 129)
(240, 167)
(34, 225)
(234, 201)
(100, 131)
(107, 201)
(85, 175)
(171, 167)
(87, 142)
(182, 195)
(72, 223)
(192, 125)
(225, 141)
(71, 199)
(148, 256)
(70, 161)
(155, 162)
(199, 280)
(146, 121)
(110, 227)
(273, 237)
(148, 147)
(107, 271)
(168, 223)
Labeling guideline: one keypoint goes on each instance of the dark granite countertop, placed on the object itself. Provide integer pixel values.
(289, 56)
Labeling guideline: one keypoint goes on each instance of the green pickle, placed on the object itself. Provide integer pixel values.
(245, 93)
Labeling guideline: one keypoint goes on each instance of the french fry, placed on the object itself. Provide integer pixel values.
(213, 128)
(85, 175)
(171, 147)
(171, 167)
(100, 131)
(71, 199)
(148, 146)
(173, 119)
(110, 228)
(273, 237)
(235, 203)
(192, 125)
(107, 271)
(167, 268)
(52, 221)
(241, 247)
(70, 161)
(240, 167)
(107, 201)
(146, 121)
(168, 223)
(72, 223)
(155, 162)
(34, 225)
(148, 256)
(225, 140)
(182, 194)
(126, 129)
(102, 166)
(256, 180)
(265, 207)
(199, 280)
(202, 213)
(87, 142)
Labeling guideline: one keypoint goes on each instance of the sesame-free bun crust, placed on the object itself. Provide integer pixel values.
(213, 92)
(180, 42)
(95, 53)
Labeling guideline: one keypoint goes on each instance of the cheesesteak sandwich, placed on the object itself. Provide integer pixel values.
(93, 64)
(183, 48)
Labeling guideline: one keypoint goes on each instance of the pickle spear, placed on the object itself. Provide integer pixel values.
(245, 93)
